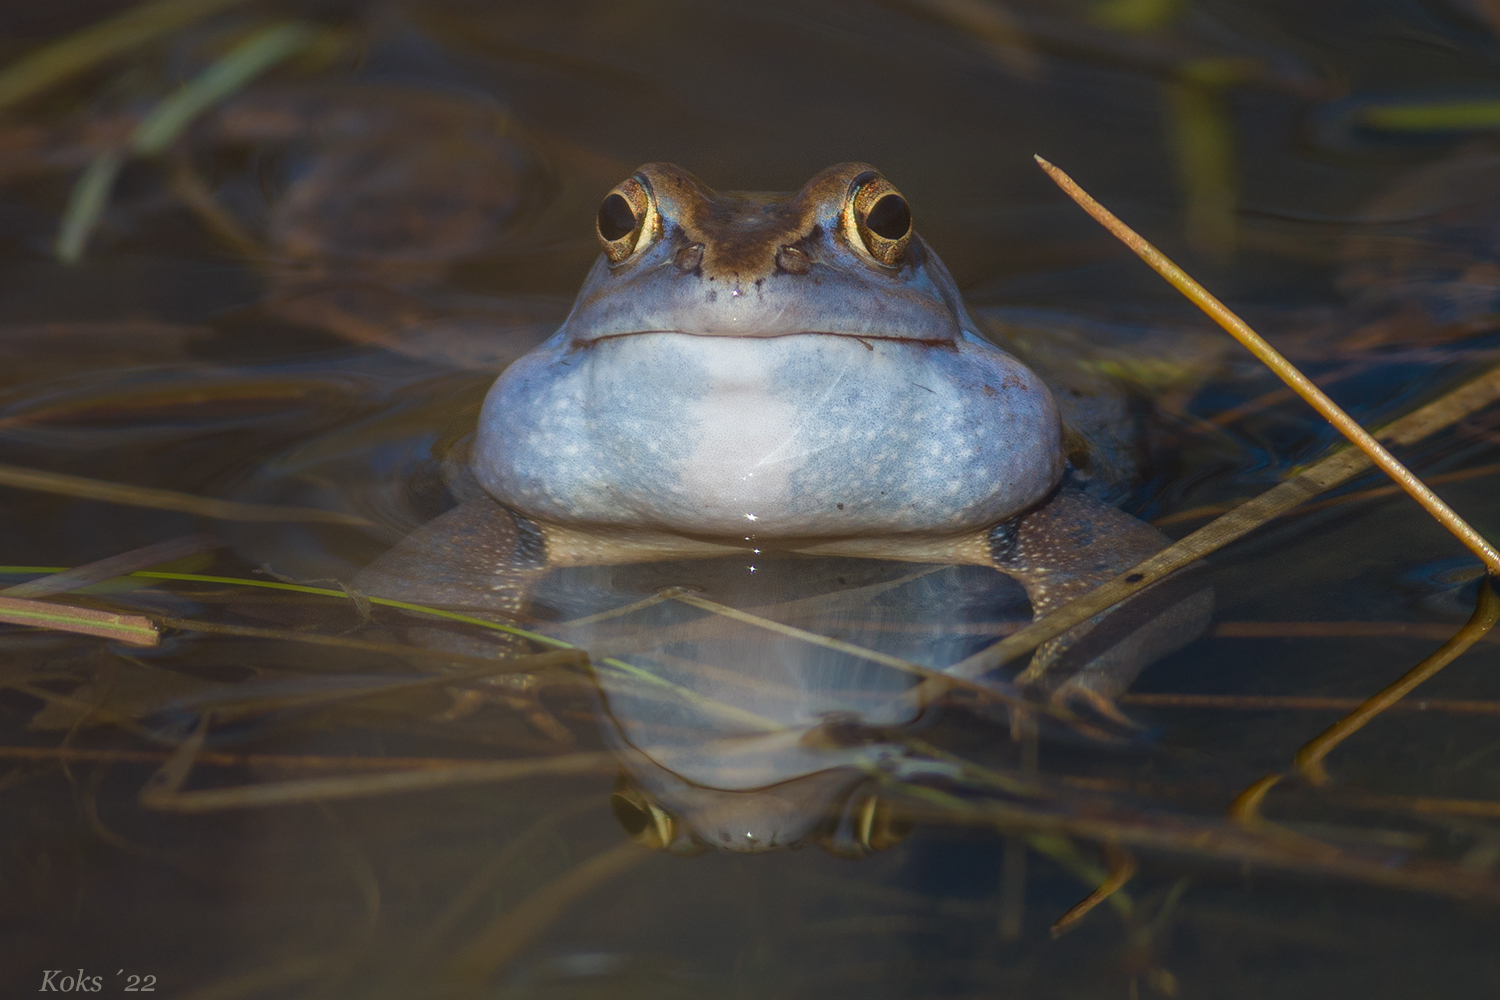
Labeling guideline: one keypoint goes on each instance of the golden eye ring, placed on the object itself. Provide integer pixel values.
(867, 824)
(880, 219)
(626, 222)
(644, 821)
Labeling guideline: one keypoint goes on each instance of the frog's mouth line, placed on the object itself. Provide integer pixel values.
(864, 338)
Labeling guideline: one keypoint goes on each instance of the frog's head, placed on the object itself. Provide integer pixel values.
(837, 257)
(798, 366)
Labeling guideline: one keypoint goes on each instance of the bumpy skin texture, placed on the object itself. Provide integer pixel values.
(793, 436)
(1069, 546)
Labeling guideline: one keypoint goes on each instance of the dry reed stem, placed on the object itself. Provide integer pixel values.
(143, 496)
(1296, 703)
(133, 629)
(235, 705)
(210, 758)
(1208, 510)
(1233, 843)
(163, 790)
(1284, 369)
(1332, 471)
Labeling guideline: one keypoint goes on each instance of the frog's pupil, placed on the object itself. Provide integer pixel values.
(890, 217)
(631, 817)
(616, 220)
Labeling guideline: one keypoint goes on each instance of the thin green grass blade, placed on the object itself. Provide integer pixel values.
(165, 123)
(239, 66)
(52, 64)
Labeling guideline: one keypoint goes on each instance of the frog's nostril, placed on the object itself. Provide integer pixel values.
(793, 261)
(690, 257)
(616, 220)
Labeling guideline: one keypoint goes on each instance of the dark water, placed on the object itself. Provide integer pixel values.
(303, 301)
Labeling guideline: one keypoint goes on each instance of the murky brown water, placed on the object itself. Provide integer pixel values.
(304, 299)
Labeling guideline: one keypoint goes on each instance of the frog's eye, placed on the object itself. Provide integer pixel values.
(625, 220)
(881, 220)
(867, 824)
(648, 824)
(644, 821)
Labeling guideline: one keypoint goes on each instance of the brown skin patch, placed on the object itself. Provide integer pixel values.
(742, 232)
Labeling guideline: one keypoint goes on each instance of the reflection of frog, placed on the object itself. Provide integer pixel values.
(365, 199)
(750, 373)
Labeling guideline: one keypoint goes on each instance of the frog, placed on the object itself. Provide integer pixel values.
(746, 375)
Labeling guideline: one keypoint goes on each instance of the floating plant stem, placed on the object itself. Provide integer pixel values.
(1285, 370)
(165, 123)
(133, 629)
(115, 566)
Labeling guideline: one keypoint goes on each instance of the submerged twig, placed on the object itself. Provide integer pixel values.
(1309, 760)
(163, 791)
(505, 936)
(1149, 830)
(1122, 867)
(509, 664)
(1283, 368)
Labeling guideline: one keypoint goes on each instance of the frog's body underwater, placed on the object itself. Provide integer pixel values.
(798, 374)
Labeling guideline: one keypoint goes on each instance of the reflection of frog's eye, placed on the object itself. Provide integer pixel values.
(880, 219)
(625, 222)
(867, 824)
